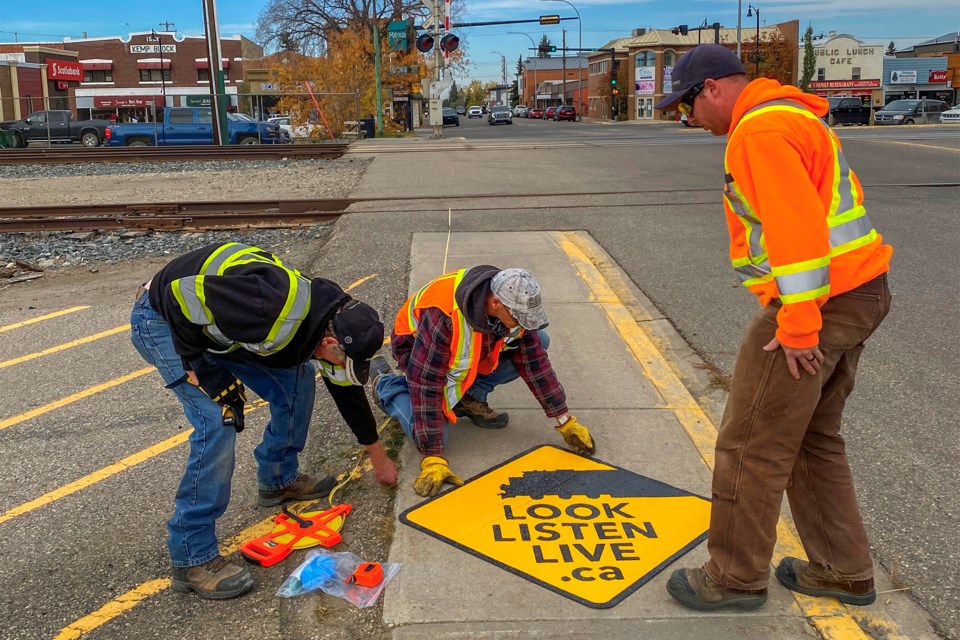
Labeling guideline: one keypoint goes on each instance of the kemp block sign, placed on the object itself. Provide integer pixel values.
(587, 530)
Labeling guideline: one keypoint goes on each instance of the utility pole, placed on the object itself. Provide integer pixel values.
(379, 87)
(217, 85)
(563, 81)
(739, 13)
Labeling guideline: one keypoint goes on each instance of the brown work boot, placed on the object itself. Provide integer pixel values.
(216, 579)
(801, 576)
(482, 414)
(693, 588)
(303, 488)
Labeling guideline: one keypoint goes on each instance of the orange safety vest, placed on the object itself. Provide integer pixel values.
(465, 358)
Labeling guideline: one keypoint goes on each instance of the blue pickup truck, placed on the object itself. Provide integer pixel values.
(192, 125)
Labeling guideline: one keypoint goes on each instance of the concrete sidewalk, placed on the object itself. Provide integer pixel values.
(621, 365)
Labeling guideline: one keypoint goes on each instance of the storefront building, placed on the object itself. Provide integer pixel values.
(21, 88)
(916, 78)
(847, 67)
(61, 74)
(134, 77)
(542, 84)
(651, 54)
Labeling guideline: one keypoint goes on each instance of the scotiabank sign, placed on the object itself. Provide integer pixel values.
(64, 70)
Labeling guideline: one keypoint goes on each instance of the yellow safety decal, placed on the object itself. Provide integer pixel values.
(587, 530)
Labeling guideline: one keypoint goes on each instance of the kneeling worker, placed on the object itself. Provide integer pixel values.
(460, 336)
(228, 316)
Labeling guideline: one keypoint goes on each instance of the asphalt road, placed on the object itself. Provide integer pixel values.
(654, 205)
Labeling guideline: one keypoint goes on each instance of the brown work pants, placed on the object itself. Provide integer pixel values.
(779, 434)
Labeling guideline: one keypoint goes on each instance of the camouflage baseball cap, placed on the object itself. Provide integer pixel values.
(519, 292)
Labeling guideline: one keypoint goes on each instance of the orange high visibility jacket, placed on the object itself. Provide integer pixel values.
(465, 360)
(798, 229)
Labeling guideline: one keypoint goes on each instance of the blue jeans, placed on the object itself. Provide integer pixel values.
(394, 394)
(205, 487)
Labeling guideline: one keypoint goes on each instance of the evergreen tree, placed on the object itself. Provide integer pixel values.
(809, 63)
(544, 44)
(454, 95)
(891, 48)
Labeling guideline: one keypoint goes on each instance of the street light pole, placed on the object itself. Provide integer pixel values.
(155, 37)
(579, 61)
(520, 33)
(739, 14)
(750, 10)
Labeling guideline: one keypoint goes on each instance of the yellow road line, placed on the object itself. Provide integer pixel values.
(112, 609)
(96, 476)
(926, 146)
(354, 285)
(832, 620)
(62, 347)
(55, 314)
(39, 411)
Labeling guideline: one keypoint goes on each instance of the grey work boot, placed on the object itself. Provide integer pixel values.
(799, 575)
(303, 488)
(694, 589)
(216, 579)
(482, 414)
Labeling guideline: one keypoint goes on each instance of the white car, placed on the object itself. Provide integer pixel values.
(519, 111)
(474, 112)
(294, 131)
(950, 116)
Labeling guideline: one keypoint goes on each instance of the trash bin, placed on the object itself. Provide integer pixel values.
(369, 126)
(8, 139)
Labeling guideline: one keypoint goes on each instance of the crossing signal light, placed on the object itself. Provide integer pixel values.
(548, 48)
(425, 42)
(449, 43)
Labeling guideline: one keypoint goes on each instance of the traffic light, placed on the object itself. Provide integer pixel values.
(449, 43)
(552, 19)
(547, 48)
(425, 42)
(681, 30)
(616, 91)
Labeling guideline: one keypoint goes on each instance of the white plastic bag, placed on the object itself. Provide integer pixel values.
(328, 571)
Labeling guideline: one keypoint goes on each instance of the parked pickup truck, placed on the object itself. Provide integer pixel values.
(846, 111)
(192, 125)
(56, 126)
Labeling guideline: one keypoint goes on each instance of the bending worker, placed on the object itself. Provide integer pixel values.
(801, 241)
(226, 317)
(460, 336)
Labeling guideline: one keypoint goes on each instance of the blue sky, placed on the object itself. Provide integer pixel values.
(874, 21)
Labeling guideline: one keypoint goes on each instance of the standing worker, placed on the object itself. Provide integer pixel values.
(228, 316)
(460, 336)
(801, 241)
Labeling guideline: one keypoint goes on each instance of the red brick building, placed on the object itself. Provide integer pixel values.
(542, 83)
(133, 76)
(34, 77)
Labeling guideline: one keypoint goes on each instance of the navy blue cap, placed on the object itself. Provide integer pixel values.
(700, 63)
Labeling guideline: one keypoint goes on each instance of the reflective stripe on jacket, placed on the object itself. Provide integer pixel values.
(798, 229)
(189, 294)
(465, 358)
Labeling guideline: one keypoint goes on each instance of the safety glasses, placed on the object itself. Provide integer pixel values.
(685, 106)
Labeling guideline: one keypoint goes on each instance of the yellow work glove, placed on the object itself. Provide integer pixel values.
(577, 437)
(434, 471)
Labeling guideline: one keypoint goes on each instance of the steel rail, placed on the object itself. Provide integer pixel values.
(53, 155)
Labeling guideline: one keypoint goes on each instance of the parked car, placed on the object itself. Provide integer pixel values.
(500, 115)
(192, 125)
(519, 110)
(846, 111)
(450, 117)
(535, 112)
(548, 114)
(951, 116)
(911, 112)
(293, 130)
(474, 112)
(60, 126)
(484, 109)
(461, 111)
(565, 112)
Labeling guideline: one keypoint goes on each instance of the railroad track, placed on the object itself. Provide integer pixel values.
(170, 216)
(69, 154)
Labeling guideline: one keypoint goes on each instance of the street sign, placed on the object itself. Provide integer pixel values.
(587, 530)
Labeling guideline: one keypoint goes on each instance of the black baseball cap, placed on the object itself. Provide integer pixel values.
(700, 63)
(360, 332)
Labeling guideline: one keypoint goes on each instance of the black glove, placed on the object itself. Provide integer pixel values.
(224, 388)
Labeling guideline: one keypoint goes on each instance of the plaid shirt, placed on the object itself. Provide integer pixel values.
(424, 358)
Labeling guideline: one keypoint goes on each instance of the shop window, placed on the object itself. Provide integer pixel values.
(203, 75)
(821, 74)
(856, 73)
(98, 76)
(154, 75)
